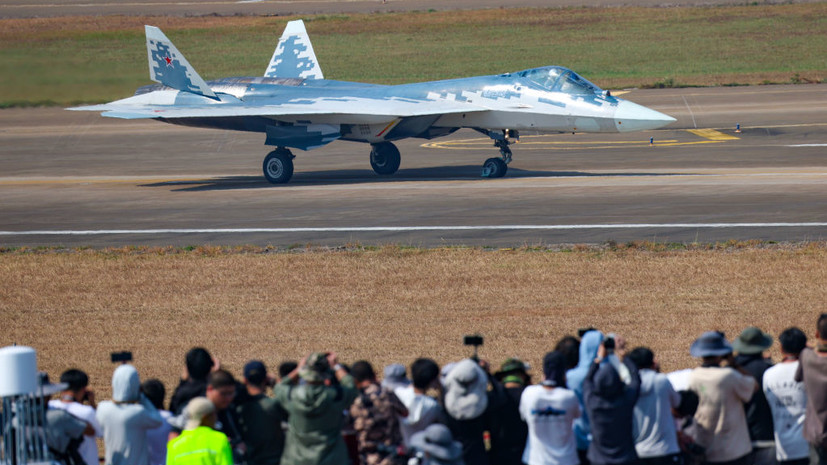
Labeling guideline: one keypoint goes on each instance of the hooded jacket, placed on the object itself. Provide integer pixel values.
(574, 379)
(610, 403)
(655, 433)
(315, 414)
(466, 403)
(126, 419)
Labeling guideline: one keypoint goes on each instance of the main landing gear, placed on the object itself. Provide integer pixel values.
(497, 167)
(384, 158)
(278, 165)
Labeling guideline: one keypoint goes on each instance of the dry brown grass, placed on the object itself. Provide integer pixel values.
(392, 304)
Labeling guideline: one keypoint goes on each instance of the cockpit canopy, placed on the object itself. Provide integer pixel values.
(559, 79)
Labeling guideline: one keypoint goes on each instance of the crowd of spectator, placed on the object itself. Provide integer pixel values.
(597, 402)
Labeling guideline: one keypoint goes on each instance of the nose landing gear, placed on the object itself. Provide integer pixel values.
(497, 167)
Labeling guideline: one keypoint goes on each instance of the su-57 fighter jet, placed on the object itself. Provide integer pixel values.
(297, 108)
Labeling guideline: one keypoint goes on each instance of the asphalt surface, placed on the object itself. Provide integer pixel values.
(51, 8)
(88, 180)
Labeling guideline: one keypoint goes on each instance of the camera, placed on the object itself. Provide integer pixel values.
(473, 340)
(121, 357)
(609, 343)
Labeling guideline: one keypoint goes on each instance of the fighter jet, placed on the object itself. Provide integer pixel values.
(297, 108)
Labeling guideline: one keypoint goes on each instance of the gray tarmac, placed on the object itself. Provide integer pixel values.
(53, 8)
(80, 179)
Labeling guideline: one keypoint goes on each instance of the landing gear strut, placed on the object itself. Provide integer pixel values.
(278, 165)
(497, 167)
(384, 158)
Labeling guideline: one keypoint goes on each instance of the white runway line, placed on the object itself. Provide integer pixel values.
(350, 229)
(808, 145)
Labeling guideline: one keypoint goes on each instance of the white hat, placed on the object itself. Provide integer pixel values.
(466, 390)
(197, 409)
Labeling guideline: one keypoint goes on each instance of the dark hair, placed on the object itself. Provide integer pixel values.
(154, 390)
(362, 371)
(199, 363)
(220, 378)
(793, 341)
(287, 367)
(423, 372)
(642, 357)
(76, 379)
(822, 326)
(688, 404)
(569, 346)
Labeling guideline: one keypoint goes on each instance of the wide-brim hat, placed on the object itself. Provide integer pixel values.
(436, 440)
(50, 389)
(512, 370)
(466, 390)
(752, 341)
(710, 344)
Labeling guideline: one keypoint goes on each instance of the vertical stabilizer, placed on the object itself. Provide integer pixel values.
(169, 67)
(294, 56)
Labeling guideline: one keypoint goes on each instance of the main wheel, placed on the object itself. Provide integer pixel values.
(384, 158)
(278, 166)
(494, 168)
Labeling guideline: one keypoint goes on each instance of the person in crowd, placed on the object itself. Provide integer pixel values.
(812, 370)
(787, 400)
(435, 446)
(508, 430)
(375, 415)
(62, 431)
(199, 443)
(610, 403)
(199, 364)
(259, 418)
(656, 437)
(79, 400)
(395, 377)
(549, 409)
(465, 403)
(423, 410)
(315, 410)
(721, 424)
(569, 346)
(590, 342)
(750, 346)
(154, 390)
(285, 368)
(126, 419)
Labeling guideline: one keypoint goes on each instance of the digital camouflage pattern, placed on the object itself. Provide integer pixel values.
(375, 416)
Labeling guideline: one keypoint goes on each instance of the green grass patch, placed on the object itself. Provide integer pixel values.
(68, 60)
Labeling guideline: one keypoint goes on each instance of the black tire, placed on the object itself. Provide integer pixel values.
(278, 166)
(384, 158)
(494, 168)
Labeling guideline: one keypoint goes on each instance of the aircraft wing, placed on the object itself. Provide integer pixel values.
(343, 110)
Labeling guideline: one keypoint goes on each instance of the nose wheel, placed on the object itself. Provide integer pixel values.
(497, 167)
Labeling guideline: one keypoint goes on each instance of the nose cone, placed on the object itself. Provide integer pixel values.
(633, 117)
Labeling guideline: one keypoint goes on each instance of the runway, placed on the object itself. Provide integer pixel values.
(69, 178)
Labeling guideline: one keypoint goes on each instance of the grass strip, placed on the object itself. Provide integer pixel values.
(62, 61)
(393, 304)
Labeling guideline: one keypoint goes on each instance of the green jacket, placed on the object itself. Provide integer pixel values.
(315, 419)
(200, 446)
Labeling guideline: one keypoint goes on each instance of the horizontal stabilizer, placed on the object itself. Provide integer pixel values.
(169, 67)
(294, 56)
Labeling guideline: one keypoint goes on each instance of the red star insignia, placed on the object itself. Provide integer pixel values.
(168, 60)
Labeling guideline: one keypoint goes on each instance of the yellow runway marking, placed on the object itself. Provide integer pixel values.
(712, 134)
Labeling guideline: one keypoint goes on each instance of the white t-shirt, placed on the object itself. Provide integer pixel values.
(88, 449)
(423, 411)
(549, 414)
(157, 439)
(721, 421)
(787, 400)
